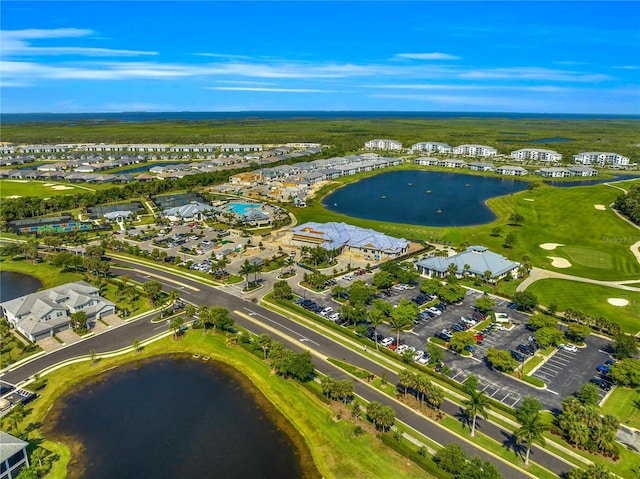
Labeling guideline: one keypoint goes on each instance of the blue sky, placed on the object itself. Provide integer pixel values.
(543, 57)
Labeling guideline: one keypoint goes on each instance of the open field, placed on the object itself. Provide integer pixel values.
(335, 450)
(12, 188)
(624, 403)
(349, 134)
(590, 299)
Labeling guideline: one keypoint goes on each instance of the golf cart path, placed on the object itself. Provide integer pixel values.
(539, 273)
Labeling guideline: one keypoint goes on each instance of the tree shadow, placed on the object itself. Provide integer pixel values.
(511, 443)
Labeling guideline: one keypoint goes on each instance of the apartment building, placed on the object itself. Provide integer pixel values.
(600, 158)
(383, 145)
(432, 147)
(475, 150)
(536, 154)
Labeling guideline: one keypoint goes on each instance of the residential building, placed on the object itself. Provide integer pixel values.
(193, 211)
(583, 171)
(13, 455)
(46, 312)
(600, 158)
(554, 172)
(431, 147)
(512, 170)
(452, 163)
(383, 145)
(232, 147)
(427, 161)
(342, 238)
(536, 154)
(480, 166)
(475, 261)
(475, 150)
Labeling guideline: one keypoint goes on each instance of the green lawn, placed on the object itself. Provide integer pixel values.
(11, 188)
(50, 276)
(590, 299)
(624, 403)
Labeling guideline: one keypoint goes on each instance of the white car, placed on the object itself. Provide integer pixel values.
(386, 341)
(402, 348)
(335, 317)
(424, 360)
(435, 311)
(418, 355)
(347, 277)
(569, 347)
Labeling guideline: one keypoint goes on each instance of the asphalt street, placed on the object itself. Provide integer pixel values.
(265, 321)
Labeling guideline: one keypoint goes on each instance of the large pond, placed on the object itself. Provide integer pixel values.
(429, 198)
(13, 285)
(176, 417)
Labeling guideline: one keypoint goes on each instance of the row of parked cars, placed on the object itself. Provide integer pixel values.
(604, 381)
(325, 312)
(419, 356)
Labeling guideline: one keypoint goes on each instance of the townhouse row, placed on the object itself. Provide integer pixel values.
(509, 170)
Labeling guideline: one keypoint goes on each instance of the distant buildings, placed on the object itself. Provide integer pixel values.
(383, 145)
(476, 261)
(536, 154)
(475, 150)
(46, 312)
(512, 170)
(600, 158)
(193, 211)
(342, 237)
(431, 147)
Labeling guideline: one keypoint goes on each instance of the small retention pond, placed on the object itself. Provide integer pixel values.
(176, 417)
(429, 198)
(13, 285)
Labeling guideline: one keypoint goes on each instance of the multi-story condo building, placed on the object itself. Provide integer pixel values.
(600, 158)
(536, 154)
(475, 150)
(383, 145)
(432, 147)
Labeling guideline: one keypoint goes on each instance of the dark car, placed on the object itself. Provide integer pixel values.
(603, 368)
(443, 336)
(523, 348)
(518, 356)
(601, 383)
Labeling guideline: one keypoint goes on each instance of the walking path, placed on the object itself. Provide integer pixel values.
(537, 274)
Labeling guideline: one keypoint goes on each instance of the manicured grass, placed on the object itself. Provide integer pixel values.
(50, 276)
(624, 403)
(336, 451)
(37, 188)
(590, 299)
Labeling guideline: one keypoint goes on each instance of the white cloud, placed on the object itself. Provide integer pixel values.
(454, 87)
(427, 56)
(627, 67)
(473, 101)
(33, 34)
(534, 73)
(264, 89)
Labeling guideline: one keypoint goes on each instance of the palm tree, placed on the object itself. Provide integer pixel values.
(532, 430)
(422, 385)
(246, 270)
(377, 315)
(289, 262)
(265, 343)
(467, 267)
(406, 379)
(478, 403)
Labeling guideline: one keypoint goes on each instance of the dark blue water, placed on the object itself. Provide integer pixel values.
(175, 417)
(140, 116)
(13, 285)
(401, 197)
(555, 139)
(565, 184)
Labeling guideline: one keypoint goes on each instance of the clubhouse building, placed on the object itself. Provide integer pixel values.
(342, 238)
(476, 261)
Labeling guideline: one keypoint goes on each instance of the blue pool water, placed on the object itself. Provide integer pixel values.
(241, 208)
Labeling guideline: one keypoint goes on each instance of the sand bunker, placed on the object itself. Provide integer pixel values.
(600, 207)
(559, 262)
(528, 199)
(618, 301)
(61, 187)
(13, 197)
(550, 246)
(48, 184)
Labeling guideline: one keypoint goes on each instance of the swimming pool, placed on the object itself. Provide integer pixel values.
(241, 208)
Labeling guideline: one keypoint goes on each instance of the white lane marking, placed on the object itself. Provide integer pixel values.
(253, 313)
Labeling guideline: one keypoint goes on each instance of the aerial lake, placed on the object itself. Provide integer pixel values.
(176, 416)
(429, 198)
(13, 285)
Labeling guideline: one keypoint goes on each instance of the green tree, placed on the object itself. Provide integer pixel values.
(510, 240)
(588, 394)
(136, 345)
(593, 471)
(245, 270)
(301, 367)
(153, 289)
(406, 378)
(380, 311)
(382, 280)
(175, 325)
(220, 318)
(16, 416)
(461, 339)
(538, 321)
(625, 346)
(485, 303)
(282, 290)
(430, 286)
(531, 431)
(79, 320)
(189, 311)
(501, 360)
(626, 372)
(360, 293)
(265, 343)
(436, 353)
(452, 293)
(402, 316)
(516, 219)
(477, 404)
(525, 300)
(548, 337)
(470, 384)
(451, 458)
(476, 469)
(578, 332)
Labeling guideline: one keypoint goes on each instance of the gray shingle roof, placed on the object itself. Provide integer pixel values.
(479, 258)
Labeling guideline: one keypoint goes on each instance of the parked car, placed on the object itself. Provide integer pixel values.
(418, 354)
(603, 368)
(347, 277)
(402, 348)
(387, 341)
(601, 383)
(569, 347)
(469, 348)
(424, 360)
(518, 356)
(523, 348)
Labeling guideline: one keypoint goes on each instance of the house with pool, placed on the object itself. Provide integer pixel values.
(345, 238)
(476, 261)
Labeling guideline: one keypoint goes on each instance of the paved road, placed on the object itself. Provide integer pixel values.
(303, 338)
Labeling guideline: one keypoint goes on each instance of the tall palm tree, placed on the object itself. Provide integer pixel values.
(532, 430)
(406, 379)
(377, 315)
(478, 403)
(245, 270)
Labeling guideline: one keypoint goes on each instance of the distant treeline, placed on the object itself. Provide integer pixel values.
(629, 204)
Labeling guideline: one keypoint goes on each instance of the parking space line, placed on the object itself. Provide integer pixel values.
(552, 392)
(494, 393)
